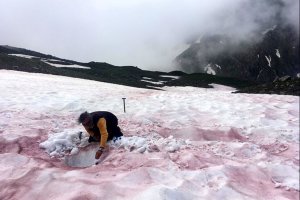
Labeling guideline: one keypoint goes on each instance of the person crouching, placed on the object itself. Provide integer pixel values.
(102, 126)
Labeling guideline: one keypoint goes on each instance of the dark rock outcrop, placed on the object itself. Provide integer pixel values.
(275, 55)
(284, 86)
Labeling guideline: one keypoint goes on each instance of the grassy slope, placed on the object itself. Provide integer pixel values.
(126, 75)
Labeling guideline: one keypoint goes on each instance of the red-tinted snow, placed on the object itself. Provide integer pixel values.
(182, 143)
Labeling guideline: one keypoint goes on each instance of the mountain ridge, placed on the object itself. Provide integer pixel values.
(274, 56)
(19, 59)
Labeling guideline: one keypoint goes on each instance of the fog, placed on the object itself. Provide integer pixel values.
(144, 33)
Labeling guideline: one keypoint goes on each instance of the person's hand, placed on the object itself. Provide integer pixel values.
(99, 152)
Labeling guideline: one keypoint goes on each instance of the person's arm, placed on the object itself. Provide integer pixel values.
(103, 131)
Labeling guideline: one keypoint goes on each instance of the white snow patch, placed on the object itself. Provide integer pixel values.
(54, 60)
(147, 78)
(269, 60)
(69, 66)
(219, 87)
(169, 76)
(277, 53)
(49, 63)
(23, 56)
(209, 70)
(67, 145)
(269, 29)
(153, 82)
(66, 142)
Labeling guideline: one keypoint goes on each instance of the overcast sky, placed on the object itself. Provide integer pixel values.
(144, 33)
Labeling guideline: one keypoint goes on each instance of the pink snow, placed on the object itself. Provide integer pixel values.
(199, 143)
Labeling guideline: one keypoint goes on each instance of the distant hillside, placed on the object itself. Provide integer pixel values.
(26, 60)
(19, 59)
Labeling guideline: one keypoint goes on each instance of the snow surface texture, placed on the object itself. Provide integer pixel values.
(181, 143)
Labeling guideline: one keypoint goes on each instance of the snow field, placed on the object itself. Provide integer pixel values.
(184, 142)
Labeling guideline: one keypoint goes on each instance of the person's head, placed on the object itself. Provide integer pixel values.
(86, 120)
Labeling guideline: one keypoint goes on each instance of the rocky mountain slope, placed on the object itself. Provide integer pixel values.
(283, 85)
(263, 44)
(18, 59)
(276, 54)
(30, 61)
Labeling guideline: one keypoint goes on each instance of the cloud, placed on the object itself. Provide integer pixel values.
(144, 33)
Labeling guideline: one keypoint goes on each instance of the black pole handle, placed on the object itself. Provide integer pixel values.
(124, 104)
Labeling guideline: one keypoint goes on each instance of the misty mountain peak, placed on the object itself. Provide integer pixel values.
(273, 53)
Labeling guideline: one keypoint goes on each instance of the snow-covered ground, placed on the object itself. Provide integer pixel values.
(181, 143)
(69, 66)
(22, 55)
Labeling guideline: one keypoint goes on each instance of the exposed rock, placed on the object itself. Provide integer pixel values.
(272, 53)
(290, 86)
